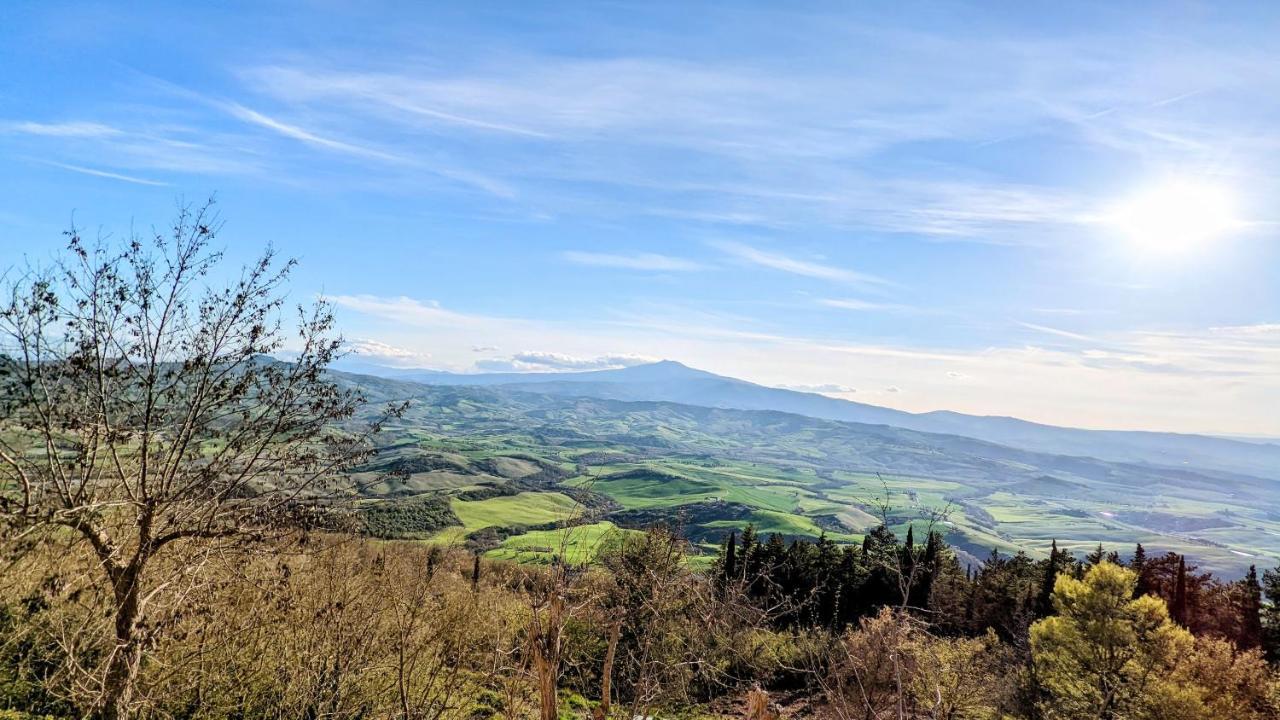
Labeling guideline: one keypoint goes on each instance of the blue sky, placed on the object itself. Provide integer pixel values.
(904, 204)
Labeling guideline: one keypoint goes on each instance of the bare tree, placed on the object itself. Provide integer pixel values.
(140, 414)
(905, 568)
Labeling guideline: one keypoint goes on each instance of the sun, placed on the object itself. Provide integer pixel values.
(1176, 216)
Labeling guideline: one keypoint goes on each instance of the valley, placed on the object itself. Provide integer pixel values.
(506, 469)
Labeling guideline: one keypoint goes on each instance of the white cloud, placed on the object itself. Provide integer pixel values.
(633, 261)
(406, 311)
(795, 266)
(256, 118)
(824, 389)
(465, 177)
(64, 129)
(530, 361)
(1220, 380)
(484, 348)
(1057, 332)
(108, 175)
(390, 354)
(864, 305)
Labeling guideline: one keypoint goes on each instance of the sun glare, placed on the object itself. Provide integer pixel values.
(1176, 216)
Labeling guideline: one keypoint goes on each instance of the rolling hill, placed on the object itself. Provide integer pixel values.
(673, 382)
(489, 451)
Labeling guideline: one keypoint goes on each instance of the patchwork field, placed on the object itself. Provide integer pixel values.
(528, 477)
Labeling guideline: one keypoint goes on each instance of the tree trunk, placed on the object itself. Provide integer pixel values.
(126, 658)
(606, 673)
(546, 656)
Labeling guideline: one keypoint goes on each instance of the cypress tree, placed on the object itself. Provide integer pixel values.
(1179, 608)
(475, 574)
(748, 554)
(731, 558)
(908, 566)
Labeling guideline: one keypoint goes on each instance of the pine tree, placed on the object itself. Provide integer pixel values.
(1250, 611)
(1097, 556)
(1044, 602)
(1139, 566)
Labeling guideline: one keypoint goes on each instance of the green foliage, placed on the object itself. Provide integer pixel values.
(416, 517)
(1106, 654)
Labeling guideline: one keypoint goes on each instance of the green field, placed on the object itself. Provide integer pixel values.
(577, 544)
(526, 508)
(509, 462)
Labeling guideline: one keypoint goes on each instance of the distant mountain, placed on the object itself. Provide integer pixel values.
(670, 381)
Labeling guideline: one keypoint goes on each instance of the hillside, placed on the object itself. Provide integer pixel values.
(673, 382)
(631, 463)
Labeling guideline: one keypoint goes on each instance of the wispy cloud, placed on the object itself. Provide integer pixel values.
(858, 305)
(406, 311)
(796, 266)
(533, 361)
(306, 136)
(633, 261)
(1057, 332)
(74, 129)
(467, 177)
(106, 174)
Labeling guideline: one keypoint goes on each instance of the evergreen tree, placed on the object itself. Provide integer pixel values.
(731, 558)
(1044, 601)
(851, 581)
(827, 561)
(749, 554)
(1139, 567)
(907, 567)
(1097, 556)
(1271, 614)
(1106, 655)
(929, 568)
(1250, 611)
(1179, 607)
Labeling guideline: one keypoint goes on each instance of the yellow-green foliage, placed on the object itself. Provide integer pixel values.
(1108, 655)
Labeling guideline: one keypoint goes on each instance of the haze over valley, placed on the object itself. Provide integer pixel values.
(617, 360)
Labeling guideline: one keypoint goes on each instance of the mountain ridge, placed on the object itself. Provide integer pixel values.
(672, 381)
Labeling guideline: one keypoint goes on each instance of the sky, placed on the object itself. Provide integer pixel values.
(976, 207)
